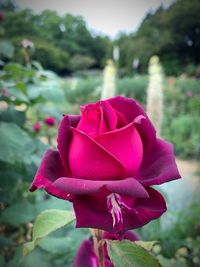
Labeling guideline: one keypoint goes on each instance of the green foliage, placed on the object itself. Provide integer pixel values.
(126, 253)
(11, 149)
(80, 91)
(133, 87)
(62, 44)
(11, 216)
(51, 57)
(184, 133)
(181, 121)
(47, 222)
(170, 33)
(81, 62)
(6, 49)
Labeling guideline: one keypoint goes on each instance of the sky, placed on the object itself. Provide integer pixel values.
(102, 16)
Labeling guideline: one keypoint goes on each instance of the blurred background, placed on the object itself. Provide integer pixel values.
(57, 55)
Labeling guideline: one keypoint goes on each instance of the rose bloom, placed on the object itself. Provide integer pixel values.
(36, 127)
(107, 161)
(86, 256)
(50, 121)
(189, 93)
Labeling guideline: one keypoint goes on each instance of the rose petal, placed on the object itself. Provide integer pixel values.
(127, 106)
(49, 170)
(126, 145)
(74, 120)
(108, 119)
(97, 118)
(143, 211)
(146, 132)
(95, 209)
(90, 122)
(64, 136)
(129, 235)
(121, 120)
(136, 212)
(85, 256)
(87, 159)
(158, 165)
(132, 111)
(128, 186)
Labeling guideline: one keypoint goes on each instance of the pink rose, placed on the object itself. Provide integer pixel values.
(107, 160)
(189, 93)
(50, 121)
(36, 127)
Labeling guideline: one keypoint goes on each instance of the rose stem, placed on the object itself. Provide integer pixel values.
(98, 245)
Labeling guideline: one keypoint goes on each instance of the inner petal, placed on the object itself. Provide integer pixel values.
(97, 119)
(126, 145)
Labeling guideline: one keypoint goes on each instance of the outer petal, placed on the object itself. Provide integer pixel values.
(49, 170)
(127, 106)
(64, 136)
(135, 212)
(134, 112)
(128, 186)
(126, 145)
(88, 159)
(143, 211)
(85, 256)
(158, 165)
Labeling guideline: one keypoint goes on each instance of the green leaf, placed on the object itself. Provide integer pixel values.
(69, 242)
(38, 257)
(47, 222)
(22, 87)
(12, 115)
(148, 245)
(6, 49)
(126, 253)
(2, 261)
(19, 97)
(19, 213)
(16, 145)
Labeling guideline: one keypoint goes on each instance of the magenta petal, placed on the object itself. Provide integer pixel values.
(97, 118)
(127, 106)
(135, 212)
(85, 256)
(90, 122)
(95, 209)
(108, 118)
(74, 120)
(158, 165)
(128, 186)
(142, 211)
(134, 112)
(126, 145)
(88, 159)
(49, 170)
(64, 135)
(146, 131)
(129, 235)
(63, 140)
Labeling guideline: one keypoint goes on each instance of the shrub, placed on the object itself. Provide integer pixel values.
(134, 87)
(183, 131)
